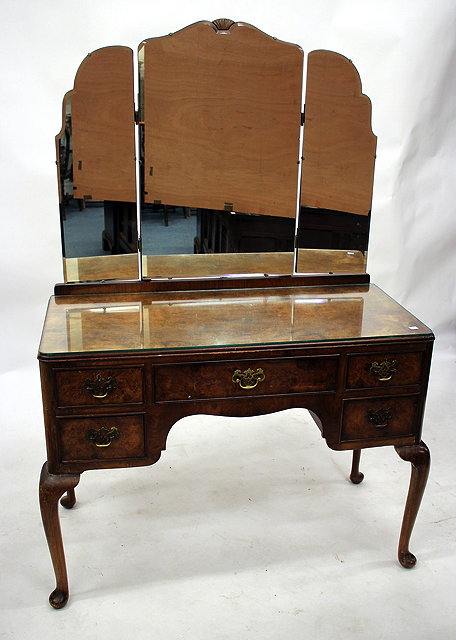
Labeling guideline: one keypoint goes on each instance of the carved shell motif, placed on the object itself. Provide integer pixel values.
(222, 24)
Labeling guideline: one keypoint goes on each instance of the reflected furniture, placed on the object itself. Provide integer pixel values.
(124, 357)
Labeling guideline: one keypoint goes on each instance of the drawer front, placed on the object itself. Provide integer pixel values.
(245, 378)
(93, 387)
(384, 369)
(379, 418)
(104, 438)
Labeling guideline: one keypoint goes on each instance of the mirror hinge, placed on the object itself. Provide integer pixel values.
(136, 117)
(140, 244)
(303, 115)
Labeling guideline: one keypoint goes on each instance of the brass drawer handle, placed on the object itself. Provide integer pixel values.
(383, 371)
(103, 437)
(380, 418)
(248, 379)
(100, 387)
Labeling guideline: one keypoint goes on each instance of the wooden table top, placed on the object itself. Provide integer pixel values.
(213, 319)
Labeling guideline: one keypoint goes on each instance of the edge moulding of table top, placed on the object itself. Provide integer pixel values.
(122, 361)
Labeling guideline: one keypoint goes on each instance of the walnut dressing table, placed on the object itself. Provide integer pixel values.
(123, 360)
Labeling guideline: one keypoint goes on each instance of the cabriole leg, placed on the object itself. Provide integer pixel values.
(420, 459)
(355, 475)
(52, 487)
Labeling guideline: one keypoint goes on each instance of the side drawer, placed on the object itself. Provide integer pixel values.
(379, 418)
(232, 379)
(103, 438)
(384, 369)
(94, 387)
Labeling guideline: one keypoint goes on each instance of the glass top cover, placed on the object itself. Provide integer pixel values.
(193, 320)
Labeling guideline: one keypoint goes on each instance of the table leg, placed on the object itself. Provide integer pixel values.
(419, 457)
(52, 487)
(355, 475)
(69, 500)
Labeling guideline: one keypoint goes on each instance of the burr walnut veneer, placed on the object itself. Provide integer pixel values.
(220, 129)
(118, 370)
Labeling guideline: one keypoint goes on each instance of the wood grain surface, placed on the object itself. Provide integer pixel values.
(339, 146)
(103, 126)
(194, 319)
(222, 119)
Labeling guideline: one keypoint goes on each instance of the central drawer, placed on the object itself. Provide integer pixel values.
(232, 379)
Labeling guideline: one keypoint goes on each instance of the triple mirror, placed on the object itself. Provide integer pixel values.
(223, 166)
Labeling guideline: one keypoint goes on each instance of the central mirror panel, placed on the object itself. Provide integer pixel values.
(220, 122)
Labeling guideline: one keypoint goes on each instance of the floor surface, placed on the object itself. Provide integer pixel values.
(246, 528)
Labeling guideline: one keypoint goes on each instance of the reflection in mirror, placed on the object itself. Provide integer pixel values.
(100, 241)
(96, 167)
(195, 242)
(331, 241)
